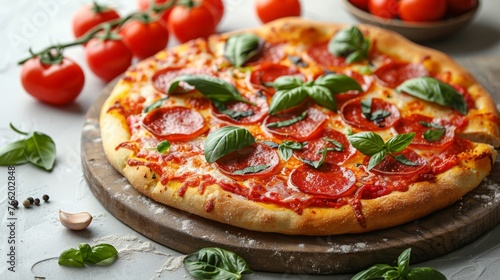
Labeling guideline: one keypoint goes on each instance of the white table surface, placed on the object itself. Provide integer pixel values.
(39, 238)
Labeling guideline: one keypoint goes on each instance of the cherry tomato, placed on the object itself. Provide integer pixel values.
(144, 6)
(187, 23)
(268, 10)
(458, 7)
(422, 10)
(383, 8)
(144, 38)
(56, 84)
(218, 10)
(107, 58)
(362, 4)
(89, 16)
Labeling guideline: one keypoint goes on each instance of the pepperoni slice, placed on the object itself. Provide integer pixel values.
(320, 54)
(270, 53)
(250, 113)
(394, 73)
(336, 153)
(244, 162)
(302, 130)
(391, 167)
(448, 158)
(352, 114)
(329, 179)
(163, 78)
(267, 73)
(365, 81)
(175, 123)
(416, 123)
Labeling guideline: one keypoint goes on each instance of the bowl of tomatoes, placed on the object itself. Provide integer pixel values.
(417, 20)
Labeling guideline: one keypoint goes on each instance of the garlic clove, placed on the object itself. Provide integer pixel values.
(75, 221)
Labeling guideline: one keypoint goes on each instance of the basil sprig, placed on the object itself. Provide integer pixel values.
(433, 90)
(213, 88)
(349, 43)
(291, 91)
(216, 263)
(226, 140)
(371, 144)
(286, 148)
(38, 149)
(242, 47)
(400, 272)
(101, 254)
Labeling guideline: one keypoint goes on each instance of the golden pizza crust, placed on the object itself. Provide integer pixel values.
(421, 199)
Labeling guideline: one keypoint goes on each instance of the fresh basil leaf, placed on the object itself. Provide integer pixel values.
(338, 83)
(154, 105)
(392, 275)
(216, 263)
(403, 160)
(399, 142)
(376, 159)
(251, 169)
(376, 116)
(213, 88)
(366, 107)
(13, 154)
(322, 96)
(433, 90)
(102, 255)
(40, 150)
(287, 82)
(374, 272)
(316, 163)
(338, 146)
(235, 115)
(285, 99)
(270, 144)
(288, 122)
(163, 146)
(427, 273)
(226, 140)
(404, 262)
(85, 251)
(349, 43)
(432, 135)
(431, 125)
(71, 258)
(368, 143)
(240, 48)
(285, 149)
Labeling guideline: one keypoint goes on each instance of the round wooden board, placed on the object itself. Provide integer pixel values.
(430, 237)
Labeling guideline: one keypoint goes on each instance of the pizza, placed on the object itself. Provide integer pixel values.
(302, 128)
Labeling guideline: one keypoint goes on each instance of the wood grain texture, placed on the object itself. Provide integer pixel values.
(429, 237)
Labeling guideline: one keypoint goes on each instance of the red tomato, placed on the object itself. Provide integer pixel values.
(422, 10)
(384, 8)
(362, 4)
(458, 7)
(269, 10)
(107, 58)
(144, 6)
(144, 39)
(89, 16)
(187, 23)
(56, 84)
(218, 9)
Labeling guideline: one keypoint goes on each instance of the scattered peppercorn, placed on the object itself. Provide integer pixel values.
(37, 201)
(45, 197)
(14, 203)
(30, 199)
(26, 203)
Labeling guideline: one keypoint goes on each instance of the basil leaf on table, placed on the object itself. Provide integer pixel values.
(213, 88)
(216, 263)
(13, 154)
(425, 273)
(374, 272)
(242, 47)
(226, 140)
(349, 43)
(72, 258)
(433, 90)
(101, 254)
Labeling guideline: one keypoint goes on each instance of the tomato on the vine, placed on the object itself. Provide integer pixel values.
(384, 8)
(269, 10)
(57, 83)
(144, 38)
(458, 7)
(195, 19)
(107, 57)
(422, 10)
(89, 16)
(362, 4)
(218, 10)
(145, 5)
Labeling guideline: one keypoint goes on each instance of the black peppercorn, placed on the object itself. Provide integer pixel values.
(14, 203)
(37, 201)
(30, 199)
(26, 203)
(45, 198)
